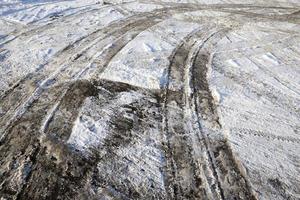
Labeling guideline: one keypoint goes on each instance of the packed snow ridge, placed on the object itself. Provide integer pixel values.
(153, 99)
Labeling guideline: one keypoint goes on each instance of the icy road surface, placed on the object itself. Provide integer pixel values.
(165, 99)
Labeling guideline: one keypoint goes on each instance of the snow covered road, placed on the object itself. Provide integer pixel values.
(150, 99)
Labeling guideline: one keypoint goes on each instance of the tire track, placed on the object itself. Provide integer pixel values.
(55, 99)
(178, 139)
(231, 181)
(267, 136)
(42, 107)
(118, 7)
(36, 30)
(213, 186)
(39, 29)
(100, 64)
(179, 145)
(15, 104)
(180, 171)
(70, 51)
(115, 26)
(67, 170)
(53, 150)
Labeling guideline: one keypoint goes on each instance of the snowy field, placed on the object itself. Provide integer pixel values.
(160, 99)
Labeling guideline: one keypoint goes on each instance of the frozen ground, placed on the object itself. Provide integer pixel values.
(190, 99)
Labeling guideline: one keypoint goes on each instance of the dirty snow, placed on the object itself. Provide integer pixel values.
(254, 78)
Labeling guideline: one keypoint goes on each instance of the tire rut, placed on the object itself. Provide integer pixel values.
(177, 146)
(179, 141)
(15, 104)
(59, 110)
(47, 102)
(230, 178)
(39, 29)
(118, 7)
(41, 110)
(35, 81)
(67, 170)
(186, 172)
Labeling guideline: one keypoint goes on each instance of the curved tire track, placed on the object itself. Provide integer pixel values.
(41, 109)
(13, 104)
(231, 181)
(46, 101)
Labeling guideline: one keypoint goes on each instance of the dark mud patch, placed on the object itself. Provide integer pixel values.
(182, 174)
(25, 150)
(201, 88)
(233, 182)
(61, 123)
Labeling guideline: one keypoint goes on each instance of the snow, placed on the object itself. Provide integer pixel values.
(30, 11)
(141, 7)
(93, 123)
(259, 105)
(47, 44)
(147, 66)
(254, 78)
(89, 131)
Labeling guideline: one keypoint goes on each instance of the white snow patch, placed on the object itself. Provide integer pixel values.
(27, 12)
(141, 7)
(93, 123)
(259, 106)
(41, 47)
(87, 133)
(146, 67)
